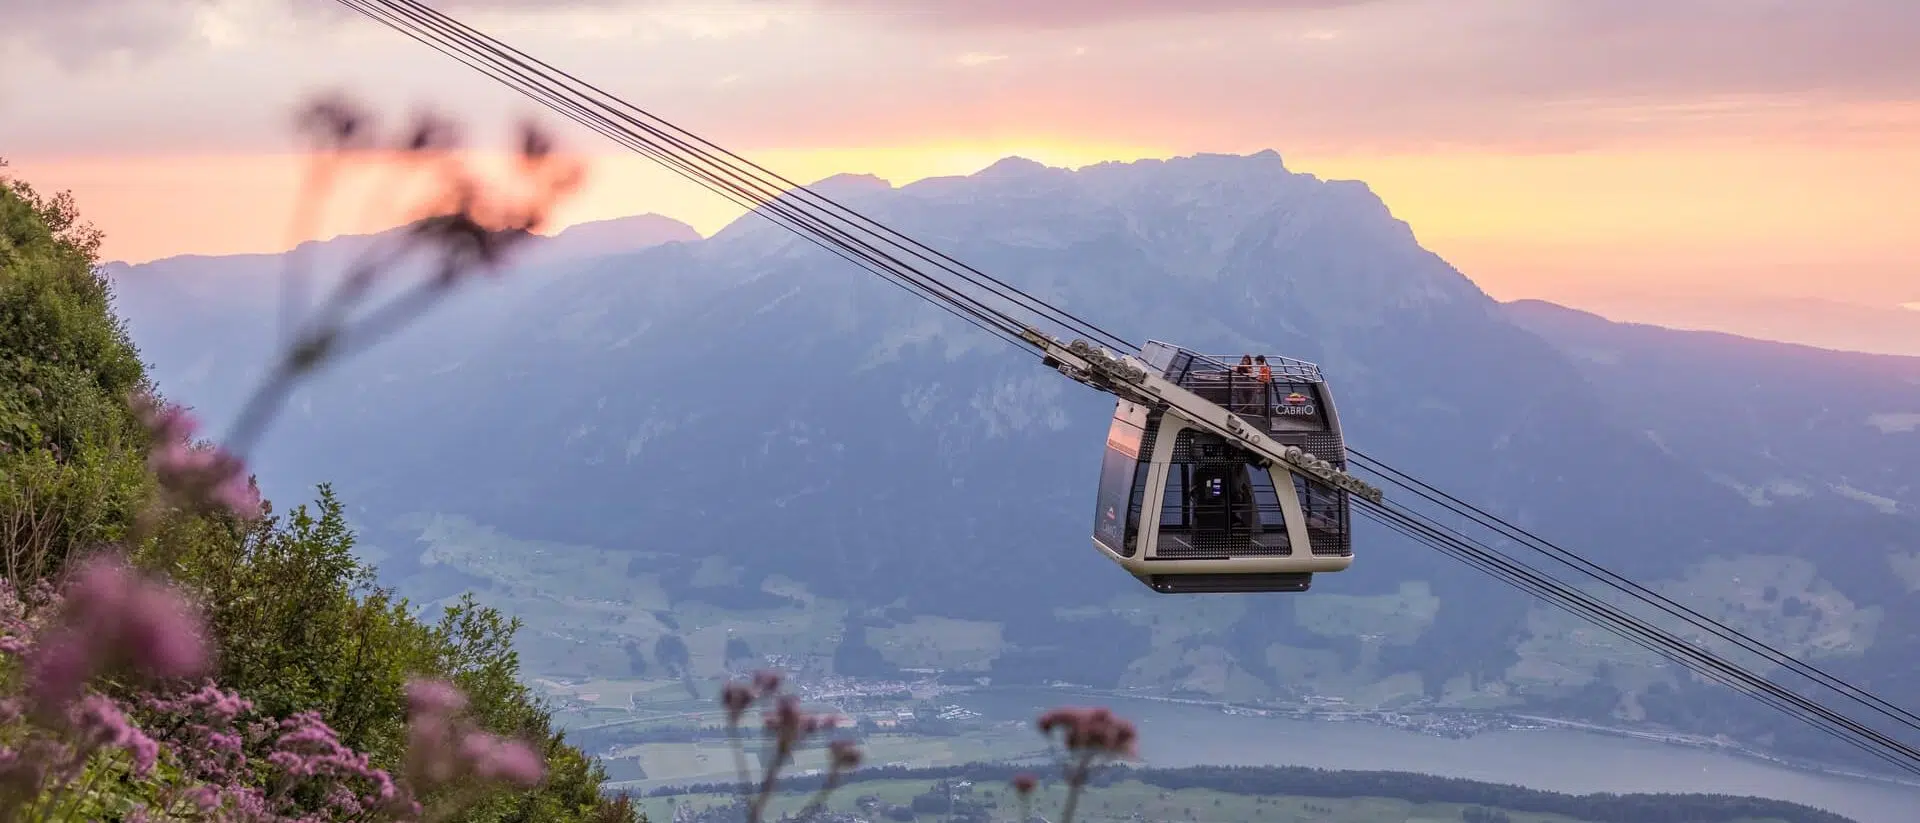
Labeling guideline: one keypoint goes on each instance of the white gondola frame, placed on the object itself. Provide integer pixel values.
(1146, 562)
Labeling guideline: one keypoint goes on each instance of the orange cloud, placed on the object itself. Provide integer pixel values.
(1699, 217)
(1550, 148)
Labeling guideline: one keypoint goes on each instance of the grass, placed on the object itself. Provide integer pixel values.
(585, 616)
(1174, 620)
(583, 610)
(1750, 593)
(1396, 619)
(992, 745)
(938, 642)
(1208, 669)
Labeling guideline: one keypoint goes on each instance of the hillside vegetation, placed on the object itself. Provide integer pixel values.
(298, 626)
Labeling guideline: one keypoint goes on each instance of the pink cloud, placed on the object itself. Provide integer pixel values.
(1054, 14)
(1366, 75)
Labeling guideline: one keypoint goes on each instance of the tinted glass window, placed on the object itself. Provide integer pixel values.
(1116, 476)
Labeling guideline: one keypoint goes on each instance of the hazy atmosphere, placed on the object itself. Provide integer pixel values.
(1694, 162)
(1297, 411)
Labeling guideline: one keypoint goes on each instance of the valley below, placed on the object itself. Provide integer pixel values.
(632, 661)
(899, 521)
(657, 736)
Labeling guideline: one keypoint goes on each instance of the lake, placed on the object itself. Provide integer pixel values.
(1175, 735)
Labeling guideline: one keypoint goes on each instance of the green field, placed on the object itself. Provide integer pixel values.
(601, 613)
(1132, 801)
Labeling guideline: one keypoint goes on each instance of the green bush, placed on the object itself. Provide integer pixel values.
(299, 623)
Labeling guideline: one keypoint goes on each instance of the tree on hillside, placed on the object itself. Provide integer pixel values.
(738, 650)
(671, 652)
(71, 451)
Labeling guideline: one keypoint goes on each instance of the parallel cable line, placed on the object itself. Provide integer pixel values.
(846, 234)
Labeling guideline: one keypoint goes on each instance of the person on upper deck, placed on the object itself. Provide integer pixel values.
(1242, 383)
(1266, 381)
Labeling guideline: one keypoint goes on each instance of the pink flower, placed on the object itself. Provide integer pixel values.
(100, 723)
(237, 494)
(206, 798)
(1024, 783)
(164, 636)
(203, 477)
(442, 748)
(59, 670)
(22, 771)
(512, 761)
(112, 617)
(435, 698)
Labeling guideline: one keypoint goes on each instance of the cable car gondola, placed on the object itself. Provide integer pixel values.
(1225, 517)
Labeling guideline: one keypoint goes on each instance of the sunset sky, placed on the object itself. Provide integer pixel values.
(1634, 156)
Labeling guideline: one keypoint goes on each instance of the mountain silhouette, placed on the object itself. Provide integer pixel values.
(744, 431)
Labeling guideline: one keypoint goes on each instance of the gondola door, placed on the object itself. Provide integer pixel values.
(1209, 495)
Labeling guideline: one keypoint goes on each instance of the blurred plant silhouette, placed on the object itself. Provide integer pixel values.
(463, 226)
(106, 706)
(1087, 738)
(111, 705)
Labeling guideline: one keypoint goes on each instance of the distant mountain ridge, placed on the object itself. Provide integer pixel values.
(1827, 324)
(1797, 404)
(744, 433)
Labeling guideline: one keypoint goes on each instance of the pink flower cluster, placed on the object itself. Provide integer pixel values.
(111, 619)
(442, 747)
(225, 762)
(206, 732)
(222, 761)
(107, 619)
(201, 476)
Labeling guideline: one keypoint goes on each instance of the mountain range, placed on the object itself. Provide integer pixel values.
(1818, 322)
(643, 442)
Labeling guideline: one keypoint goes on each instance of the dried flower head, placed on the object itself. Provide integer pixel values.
(843, 755)
(767, 681)
(735, 698)
(1094, 731)
(535, 144)
(335, 123)
(431, 132)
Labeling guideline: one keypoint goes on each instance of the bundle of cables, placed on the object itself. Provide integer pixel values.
(1005, 311)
